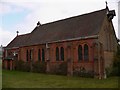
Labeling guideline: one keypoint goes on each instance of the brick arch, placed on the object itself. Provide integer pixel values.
(83, 44)
(62, 53)
(27, 55)
(43, 54)
(39, 54)
(80, 54)
(86, 52)
(57, 53)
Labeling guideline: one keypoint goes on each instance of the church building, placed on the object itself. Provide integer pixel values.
(88, 41)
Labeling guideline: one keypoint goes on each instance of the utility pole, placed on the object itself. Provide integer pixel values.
(119, 19)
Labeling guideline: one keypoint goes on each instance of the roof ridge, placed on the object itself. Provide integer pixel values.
(73, 17)
(24, 34)
(87, 24)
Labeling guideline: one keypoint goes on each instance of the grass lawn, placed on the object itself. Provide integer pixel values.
(16, 79)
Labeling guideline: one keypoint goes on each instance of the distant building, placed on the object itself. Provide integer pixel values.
(1, 49)
(88, 41)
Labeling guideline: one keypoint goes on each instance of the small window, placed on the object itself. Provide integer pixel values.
(39, 55)
(27, 55)
(57, 53)
(30, 54)
(86, 52)
(80, 53)
(62, 53)
(43, 55)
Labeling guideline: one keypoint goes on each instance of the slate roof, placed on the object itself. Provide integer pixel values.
(79, 26)
(19, 41)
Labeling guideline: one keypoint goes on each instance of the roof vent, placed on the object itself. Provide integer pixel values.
(17, 32)
(38, 24)
(111, 14)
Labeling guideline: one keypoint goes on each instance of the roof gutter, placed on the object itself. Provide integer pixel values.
(79, 38)
(12, 48)
(72, 39)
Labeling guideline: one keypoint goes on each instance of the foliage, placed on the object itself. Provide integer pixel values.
(60, 69)
(108, 71)
(116, 63)
(22, 66)
(19, 65)
(115, 69)
(30, 66)
(26, 67)
(81, 71)
(39, 67)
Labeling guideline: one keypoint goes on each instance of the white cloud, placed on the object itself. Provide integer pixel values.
(5, 37)
(51, 11)
(47, 11)
(6, 8)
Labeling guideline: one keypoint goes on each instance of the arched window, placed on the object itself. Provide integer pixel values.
(27, 55)
(43, 55)
(57, 53)
(86, 52)
(30, 54)
(80, 52)
(62, 53)
(39, 55)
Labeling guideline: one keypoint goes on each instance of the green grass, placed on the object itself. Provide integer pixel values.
(16, 79)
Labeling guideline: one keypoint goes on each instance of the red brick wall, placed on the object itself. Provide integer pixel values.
(70, 52)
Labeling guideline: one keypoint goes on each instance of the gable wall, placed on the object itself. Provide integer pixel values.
(108, 38)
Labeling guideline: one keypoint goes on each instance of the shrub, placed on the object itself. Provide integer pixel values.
(62, 69)
(39, 67)
(115, 69)
(26, 67)
(81, 71)
(19, 65)
(22, 66)
(108, 71)
(116, 66)
(116, 63)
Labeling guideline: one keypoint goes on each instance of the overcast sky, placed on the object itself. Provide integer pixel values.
(22, 15)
